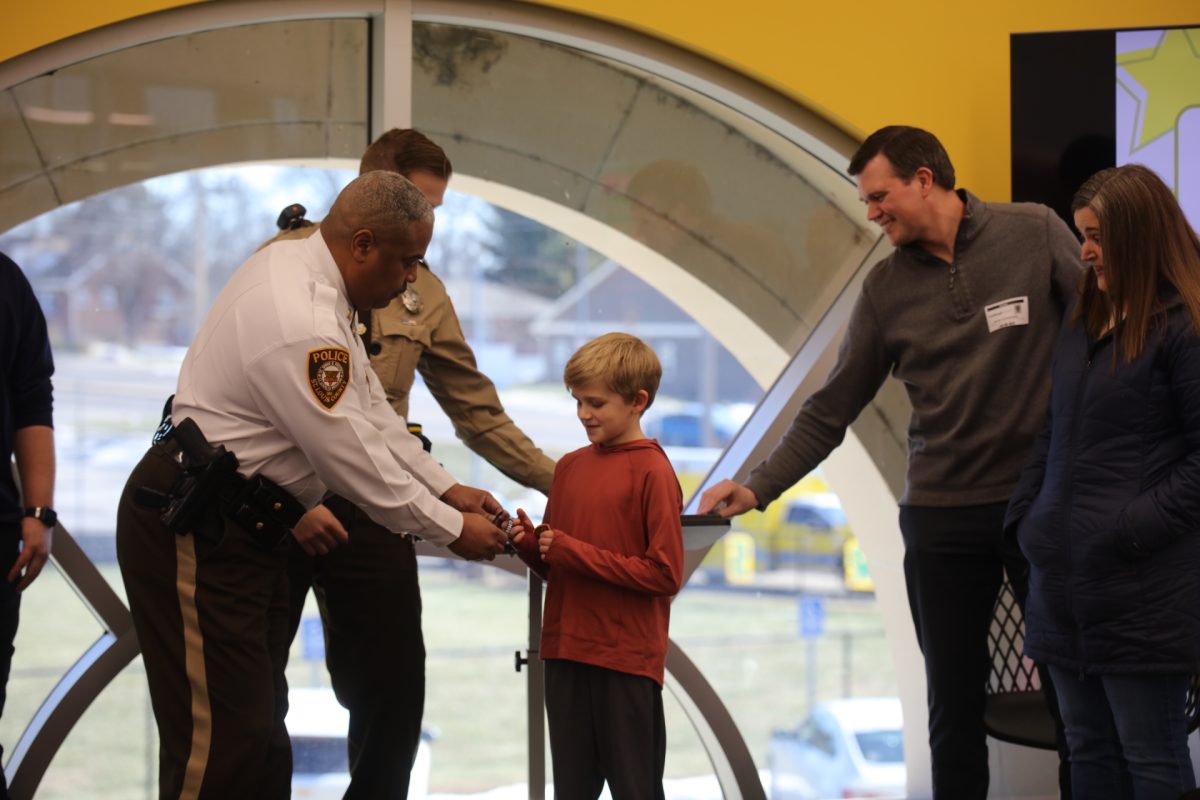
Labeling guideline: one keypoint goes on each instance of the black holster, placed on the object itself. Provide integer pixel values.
(416, 430)
(263, 509)
(210, 480)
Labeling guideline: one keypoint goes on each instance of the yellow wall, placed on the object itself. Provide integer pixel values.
(940, 64)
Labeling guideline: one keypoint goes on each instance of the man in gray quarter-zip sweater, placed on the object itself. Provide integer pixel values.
(965, 312)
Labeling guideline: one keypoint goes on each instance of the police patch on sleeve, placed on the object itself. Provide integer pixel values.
(328, 374)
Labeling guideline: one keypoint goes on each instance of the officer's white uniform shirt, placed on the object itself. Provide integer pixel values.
(261, 378)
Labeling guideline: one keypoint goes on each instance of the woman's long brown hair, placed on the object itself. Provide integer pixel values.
(1146, 241)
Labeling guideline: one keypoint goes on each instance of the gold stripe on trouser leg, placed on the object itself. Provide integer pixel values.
(193, 644)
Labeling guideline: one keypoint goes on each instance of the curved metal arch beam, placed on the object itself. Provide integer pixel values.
(761, 355)
(87, 677)
(206, 16)
(749, 97)
(745, 97)
(727, 750)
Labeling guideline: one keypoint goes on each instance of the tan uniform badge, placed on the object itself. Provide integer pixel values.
(412, 299)
(328, 374)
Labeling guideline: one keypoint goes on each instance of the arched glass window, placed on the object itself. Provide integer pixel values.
(591, 193)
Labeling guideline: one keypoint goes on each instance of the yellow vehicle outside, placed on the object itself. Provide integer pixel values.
(811, 532)
(739, 558)
(803, 529)
(854, 567)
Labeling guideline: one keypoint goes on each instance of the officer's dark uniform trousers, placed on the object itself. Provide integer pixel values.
(210, 611)
(370, 603)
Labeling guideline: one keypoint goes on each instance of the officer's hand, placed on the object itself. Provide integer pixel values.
(35, 549)
(479, 539)
(467, 498)
(319, 531)
(737, 499)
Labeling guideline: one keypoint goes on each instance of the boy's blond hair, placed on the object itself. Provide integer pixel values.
(624, 363)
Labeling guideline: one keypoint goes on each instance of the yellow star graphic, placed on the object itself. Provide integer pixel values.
(1170, 75)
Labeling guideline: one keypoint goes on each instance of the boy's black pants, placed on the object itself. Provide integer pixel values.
(604, 726)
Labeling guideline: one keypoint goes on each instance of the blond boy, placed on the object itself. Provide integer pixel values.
(611, 550)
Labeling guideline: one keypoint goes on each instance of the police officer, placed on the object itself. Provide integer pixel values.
(368, 592)
(277, 378)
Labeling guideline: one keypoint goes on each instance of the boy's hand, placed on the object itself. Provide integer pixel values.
(524, 535)
(524, 525)
(545, 536)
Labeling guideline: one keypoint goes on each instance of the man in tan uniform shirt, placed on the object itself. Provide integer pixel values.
(431, 340)
(368, 591)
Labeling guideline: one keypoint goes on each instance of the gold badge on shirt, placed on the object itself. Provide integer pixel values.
(328, 374)
(412, 300)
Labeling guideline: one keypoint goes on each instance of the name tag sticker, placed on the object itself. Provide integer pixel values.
(1007, 313)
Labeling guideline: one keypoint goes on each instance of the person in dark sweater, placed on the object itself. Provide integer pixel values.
(26, 432)
(611, 549)
(964, 313)
(1108, 508)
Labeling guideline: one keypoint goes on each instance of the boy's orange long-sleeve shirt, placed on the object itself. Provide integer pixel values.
(619, 561)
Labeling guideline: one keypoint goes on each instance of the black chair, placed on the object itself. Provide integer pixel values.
(1015, 710)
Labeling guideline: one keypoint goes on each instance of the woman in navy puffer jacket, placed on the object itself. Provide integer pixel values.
(1108, 509)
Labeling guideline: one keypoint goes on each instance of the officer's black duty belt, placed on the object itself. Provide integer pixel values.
(210, 480)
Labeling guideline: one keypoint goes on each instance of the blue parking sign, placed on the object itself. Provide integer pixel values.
(812, 617)
(312, 639)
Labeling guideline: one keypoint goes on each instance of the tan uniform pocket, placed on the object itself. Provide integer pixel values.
(400, 347)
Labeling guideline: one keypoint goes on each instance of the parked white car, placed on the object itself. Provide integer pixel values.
(846, 748)
(317, 724)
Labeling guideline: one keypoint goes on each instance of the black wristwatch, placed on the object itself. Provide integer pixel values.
(43, 514)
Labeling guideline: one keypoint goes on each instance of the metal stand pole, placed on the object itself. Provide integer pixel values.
(535, 683)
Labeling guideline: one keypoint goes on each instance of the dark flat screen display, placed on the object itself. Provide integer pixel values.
(1063, 114)
(1085, 100)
